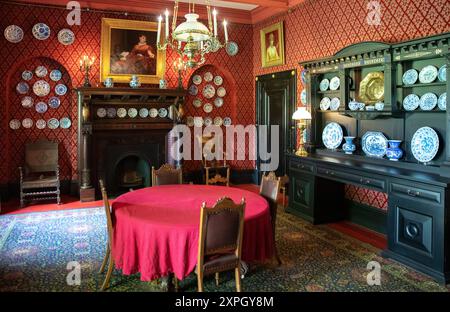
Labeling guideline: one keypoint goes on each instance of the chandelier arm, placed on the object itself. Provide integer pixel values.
(208, 9)
(175, 16)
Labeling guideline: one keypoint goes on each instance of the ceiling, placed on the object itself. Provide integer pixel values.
(235, 11)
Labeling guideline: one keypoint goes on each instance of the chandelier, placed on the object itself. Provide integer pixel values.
(192, 40)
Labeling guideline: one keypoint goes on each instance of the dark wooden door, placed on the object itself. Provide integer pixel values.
(275, 104)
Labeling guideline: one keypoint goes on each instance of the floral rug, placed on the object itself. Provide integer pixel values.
(37, 251)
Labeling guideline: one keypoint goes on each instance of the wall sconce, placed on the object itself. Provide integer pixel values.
(85, 67)
(302, 116)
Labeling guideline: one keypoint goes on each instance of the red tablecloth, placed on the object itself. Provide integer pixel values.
(156, 228)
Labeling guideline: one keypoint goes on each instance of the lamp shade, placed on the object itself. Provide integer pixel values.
(301, 114)
(191, 28)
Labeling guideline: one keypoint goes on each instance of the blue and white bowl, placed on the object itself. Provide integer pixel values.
(41, 31)
(425, 144)
(442, 101)
(353, 105)
(410, 77)
(428, 101)
(411, 102)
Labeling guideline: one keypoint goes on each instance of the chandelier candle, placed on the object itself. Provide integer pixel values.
(215, 22)
(167, 23)
(158, 36)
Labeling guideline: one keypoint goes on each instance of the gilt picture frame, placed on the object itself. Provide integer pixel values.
(128, 47)
(272, 45)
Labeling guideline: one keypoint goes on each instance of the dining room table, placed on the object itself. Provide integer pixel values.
(156, 229)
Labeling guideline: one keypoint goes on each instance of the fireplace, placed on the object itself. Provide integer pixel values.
(122, 150)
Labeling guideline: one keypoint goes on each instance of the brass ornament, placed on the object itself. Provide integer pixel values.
(371, 88)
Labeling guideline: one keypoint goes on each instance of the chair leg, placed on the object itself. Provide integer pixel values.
(217, 278)
(108, 274)
(200, 281)
(105, 259)
(237, 273)
(277, 257)
(175, 281)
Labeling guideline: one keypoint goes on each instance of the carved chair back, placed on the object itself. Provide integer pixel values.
(167, 174)
(41, 156)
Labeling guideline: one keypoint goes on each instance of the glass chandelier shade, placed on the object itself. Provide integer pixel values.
(191, 30)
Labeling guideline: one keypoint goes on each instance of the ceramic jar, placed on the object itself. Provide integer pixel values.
(349, 147)
(394, 152)
(134, 82)
(379, 106)
(109, 82)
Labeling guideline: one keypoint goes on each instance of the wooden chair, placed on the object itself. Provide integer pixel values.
(109, 225)
(283, 188)
(270, 187)
(214, 171)
(167, 174)
(220, 240)
(39, 178)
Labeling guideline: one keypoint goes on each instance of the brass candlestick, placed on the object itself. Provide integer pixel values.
(180, 67)
(85, 67)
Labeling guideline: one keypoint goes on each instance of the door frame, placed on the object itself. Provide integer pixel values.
(289, 131)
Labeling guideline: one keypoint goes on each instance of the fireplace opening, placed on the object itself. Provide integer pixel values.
(132, 172)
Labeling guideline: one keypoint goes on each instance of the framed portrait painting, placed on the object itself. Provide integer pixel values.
(272, 45)
(129, 48)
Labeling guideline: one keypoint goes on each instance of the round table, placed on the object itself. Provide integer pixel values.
(156, 229)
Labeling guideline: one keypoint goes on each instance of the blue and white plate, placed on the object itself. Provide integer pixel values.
(410, 77)
(27, 123)
(193, 90)
(41, 31)
(53, 123)
(374, 144)
(65, 123)
(325, 103)
(55, 75)
(66, 36)
(41, 107)
(303, 76)
(41, 88)
(425, 144)
(442, 101)
(54, 102)
(13, 33)
(27, 102)
(428, 101)
(411, 102)
(41, 71)
(162, 112)
(227, 121)
(41, 124)
(218, 102)
(324, 85)
(335, 83)
(303, 97)
(335, 104)
(332, 135)
(15, 124)
(132, 112)
(428, 74)
(143, 112)
(442, 75)
(111, 112)
(22, 88)
(232, 48)
(60, 89)
(27, 75)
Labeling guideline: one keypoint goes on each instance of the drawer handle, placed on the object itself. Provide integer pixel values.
(412, 230)
(366, 182)
(413, 194)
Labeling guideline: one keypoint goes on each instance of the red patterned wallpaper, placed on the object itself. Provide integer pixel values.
(320, 28)
(31, 52)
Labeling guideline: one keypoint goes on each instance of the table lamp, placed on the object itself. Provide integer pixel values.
(301, 115)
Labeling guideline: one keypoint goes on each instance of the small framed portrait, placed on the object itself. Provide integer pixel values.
(129, 48)
(272, 45)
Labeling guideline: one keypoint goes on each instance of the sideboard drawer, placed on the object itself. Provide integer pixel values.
(416, 192)
(353, 178)
(302, 166)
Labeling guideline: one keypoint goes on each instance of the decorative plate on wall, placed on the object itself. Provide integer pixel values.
(218, 102)
(218, 80)
(66, 36)
(442, 75)
(325, 103)
(332, 135)
(27, 75)
(208, 77)
(13, 33)
(22, 87)
(14, 124)
(198, 121)
(53, 123)
(303, 97)
(197, 79)
(54, 102)
(208, 121)
(425, 144)
(227, 121)
(232, 48)
(428, 101)
(335, 104)
(442, 101)
(41, 31)
(207, 108)
(41, 107)
(162, 112)
(428, 74)
(27, 123)
(27, 102)
(410, 77)
(41, 88)
(41, 71)
(218, 121)
(55, 75)
(209, 91)
(60, 89)
(374, 144)
(111, 112)
(65, 123)
(324, 85)
(335, 83)
(411, 102)
(121, 112)
(101, 112)
(41, 124)
(221, 92)
(193, 90)
(143, 112)
(153, 112)
(132, 112)
(190, 121)
(197, 103)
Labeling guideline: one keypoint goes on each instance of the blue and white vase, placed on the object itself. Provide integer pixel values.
(134, 82)
(394, 152)
(109, 82)
(349, 147)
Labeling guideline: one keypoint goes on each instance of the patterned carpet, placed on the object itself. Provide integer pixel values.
(35, 249)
